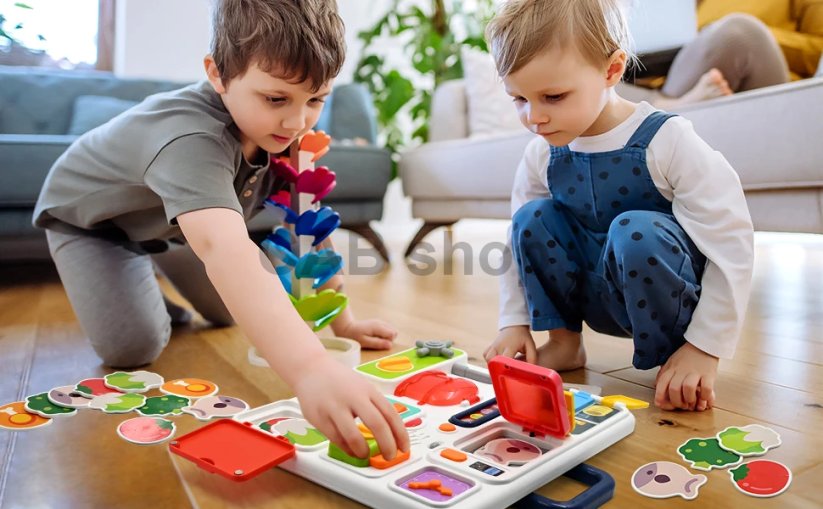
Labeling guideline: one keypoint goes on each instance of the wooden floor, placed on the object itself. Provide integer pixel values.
(775, 379)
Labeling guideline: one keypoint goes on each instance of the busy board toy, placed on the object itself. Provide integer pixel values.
(480, 439)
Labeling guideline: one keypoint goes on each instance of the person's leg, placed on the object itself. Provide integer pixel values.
(739, 46)
(115, 296)
(551, 266)
(188, 275)
(654, 271)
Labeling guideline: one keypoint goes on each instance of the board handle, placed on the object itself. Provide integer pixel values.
(600, 490)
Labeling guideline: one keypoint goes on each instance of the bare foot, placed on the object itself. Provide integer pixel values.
(712, 84)
(563, 352)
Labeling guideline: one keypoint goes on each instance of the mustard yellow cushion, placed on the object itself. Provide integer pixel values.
(775, 13)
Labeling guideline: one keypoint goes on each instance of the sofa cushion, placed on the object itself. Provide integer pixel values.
(91, 111)
(491, 110)
(25, 160)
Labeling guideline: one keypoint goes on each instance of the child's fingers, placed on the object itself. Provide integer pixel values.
(489, 353)
(676, 390)
(707, 390)
(702, 405)
(691, 388)
(384, 331)
(376, 422)
(398, 429)
(373, 343)
(352, 438)
(531, 352)
(661, 393)
(327, 427)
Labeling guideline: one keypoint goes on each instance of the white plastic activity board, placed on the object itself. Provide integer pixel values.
(480, 438)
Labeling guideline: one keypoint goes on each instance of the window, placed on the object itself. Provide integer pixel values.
(68, 35)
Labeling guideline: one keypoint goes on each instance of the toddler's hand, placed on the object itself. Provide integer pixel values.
(511, 341)
(687, 379)
(372, 334)
(331, 395)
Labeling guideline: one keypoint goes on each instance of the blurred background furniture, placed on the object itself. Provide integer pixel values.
(42, 111)
(771, 136)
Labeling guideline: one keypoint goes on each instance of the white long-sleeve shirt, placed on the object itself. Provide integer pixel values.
(708, 202)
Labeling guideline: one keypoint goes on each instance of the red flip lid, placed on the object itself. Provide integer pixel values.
(529, 395)
(232, 449)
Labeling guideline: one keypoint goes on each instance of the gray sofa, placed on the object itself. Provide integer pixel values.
(43, 111)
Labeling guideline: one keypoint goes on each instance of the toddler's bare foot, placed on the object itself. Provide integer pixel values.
(712, 84)
(563, 352)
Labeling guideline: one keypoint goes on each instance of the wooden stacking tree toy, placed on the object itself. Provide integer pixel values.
(296, 248)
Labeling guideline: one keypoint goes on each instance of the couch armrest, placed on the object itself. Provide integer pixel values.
(480, 167)
(449, 112)
(771, 136)
(353, 114)
(25, 160)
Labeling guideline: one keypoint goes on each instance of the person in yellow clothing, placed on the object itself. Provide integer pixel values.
(796, 25)
(742, 45)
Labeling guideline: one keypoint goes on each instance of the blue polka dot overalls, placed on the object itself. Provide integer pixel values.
(606, 249)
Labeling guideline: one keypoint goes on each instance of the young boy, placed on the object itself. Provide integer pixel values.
(173, 181)
(622, 216)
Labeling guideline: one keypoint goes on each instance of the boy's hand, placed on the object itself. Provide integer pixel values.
(511, 341)
(372, 334)
(687, 379)
(332, 395)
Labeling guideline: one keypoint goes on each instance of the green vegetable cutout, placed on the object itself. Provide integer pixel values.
(164, 405)
(40, 405)
(751, 440)
(706, 454)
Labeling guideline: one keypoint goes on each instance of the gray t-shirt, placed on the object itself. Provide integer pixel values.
(130, 178)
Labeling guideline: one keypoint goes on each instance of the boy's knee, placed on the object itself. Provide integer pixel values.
(132, 348)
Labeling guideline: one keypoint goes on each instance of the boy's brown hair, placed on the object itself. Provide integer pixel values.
(293, 39)
(525, 28)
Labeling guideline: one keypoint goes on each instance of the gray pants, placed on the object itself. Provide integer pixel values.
(739, 45)
(115, 294)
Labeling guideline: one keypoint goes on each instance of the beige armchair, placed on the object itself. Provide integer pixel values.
(773, 137)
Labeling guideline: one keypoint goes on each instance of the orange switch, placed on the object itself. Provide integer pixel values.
(382, 463)
(454, 455)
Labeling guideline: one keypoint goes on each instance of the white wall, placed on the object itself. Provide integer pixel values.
(167, 39)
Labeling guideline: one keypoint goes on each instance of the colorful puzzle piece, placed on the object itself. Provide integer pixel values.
(664, 479)
(14, 416)
(146, 430)
(761, 478)
(216, 406)
(751, 440)
(190, 388)
(164, 405)
(118, 403)
(41, 405)
(133, 381)
(706, 454)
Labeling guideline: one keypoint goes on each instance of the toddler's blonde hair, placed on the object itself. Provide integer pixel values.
(522, 29)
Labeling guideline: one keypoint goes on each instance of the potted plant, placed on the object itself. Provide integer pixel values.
(432, 38)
